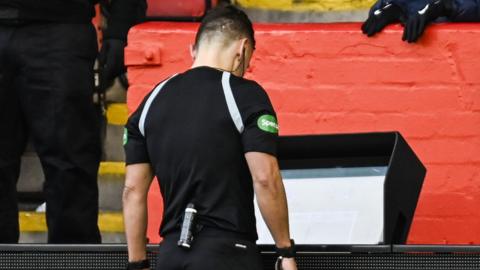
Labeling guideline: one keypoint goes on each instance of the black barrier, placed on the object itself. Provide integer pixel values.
(33, 257)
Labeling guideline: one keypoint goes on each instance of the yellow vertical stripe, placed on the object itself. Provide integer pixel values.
(117, 114)
(111, 167)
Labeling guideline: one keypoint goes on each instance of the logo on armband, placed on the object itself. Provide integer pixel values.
(125, 136)
(268, 123)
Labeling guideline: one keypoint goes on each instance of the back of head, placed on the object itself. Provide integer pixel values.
(225, 23)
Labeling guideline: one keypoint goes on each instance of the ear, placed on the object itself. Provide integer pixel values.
(241, 60)
(193, 52)
(242, 46)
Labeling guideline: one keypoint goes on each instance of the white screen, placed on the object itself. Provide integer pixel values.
(332, 210)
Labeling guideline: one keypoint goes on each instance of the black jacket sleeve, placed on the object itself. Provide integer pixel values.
(123, 15)
(465, 11)
(461, 10)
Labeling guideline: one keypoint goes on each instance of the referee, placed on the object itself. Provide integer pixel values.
(209, 136)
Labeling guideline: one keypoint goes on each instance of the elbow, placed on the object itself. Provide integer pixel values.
(126, 195)
(262, 180)
(131, 194)
(266, 180)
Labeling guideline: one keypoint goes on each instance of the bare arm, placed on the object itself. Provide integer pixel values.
(271, 199)
(137, 182)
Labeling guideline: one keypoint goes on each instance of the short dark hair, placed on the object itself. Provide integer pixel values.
(228, 21)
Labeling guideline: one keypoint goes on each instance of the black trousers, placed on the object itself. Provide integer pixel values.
(46, 86)
(209, 252)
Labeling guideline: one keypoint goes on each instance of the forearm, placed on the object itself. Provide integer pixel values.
(135, 219)
(137, 182)
(272, 201)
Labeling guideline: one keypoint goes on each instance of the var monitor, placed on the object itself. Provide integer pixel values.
(348, 189)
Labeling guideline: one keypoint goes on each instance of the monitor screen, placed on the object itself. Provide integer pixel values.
(332, 206)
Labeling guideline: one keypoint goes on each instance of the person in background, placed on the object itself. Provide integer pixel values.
(416, 15)
(47, 53)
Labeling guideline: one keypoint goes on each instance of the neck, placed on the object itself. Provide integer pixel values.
(215, 57)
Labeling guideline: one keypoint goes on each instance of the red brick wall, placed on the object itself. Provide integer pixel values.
(328, 78)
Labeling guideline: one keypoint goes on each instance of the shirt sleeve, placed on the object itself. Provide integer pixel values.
(465, 11)
(260, 132)
(123, 15)
(134, 142)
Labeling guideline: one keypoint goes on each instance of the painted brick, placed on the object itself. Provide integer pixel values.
(427, 98)
(155, 207)
(462, 128)
(329, 78)
(466, 230)
(438, 231)
(476, 98)
(135, 95)
(365, 98)
(451, 204)
(449, 150)
(459, 124)
(353, 71)
(422, 232)
(148, 76)
(452, 178)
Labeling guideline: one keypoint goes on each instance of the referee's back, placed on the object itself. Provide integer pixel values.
(195, 128)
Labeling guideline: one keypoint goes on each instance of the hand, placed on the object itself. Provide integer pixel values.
(285, 264)
(419, 19)
(289, 264)
(111, 60)
(379, 18)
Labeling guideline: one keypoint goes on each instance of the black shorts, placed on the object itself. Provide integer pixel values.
(209, 253)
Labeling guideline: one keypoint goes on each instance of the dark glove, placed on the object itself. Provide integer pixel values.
(381, 17)
(418, 20)
(111, 60)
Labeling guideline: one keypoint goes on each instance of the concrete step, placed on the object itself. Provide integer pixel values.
(281, 16)
(116, 93)
(117, 115)
(41, 238)
(110, 185)
(113, 144)
(33, 228)
(310, 11)
(306, 5)
(111, 177)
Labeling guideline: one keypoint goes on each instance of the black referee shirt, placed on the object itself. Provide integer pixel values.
(194, 130)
